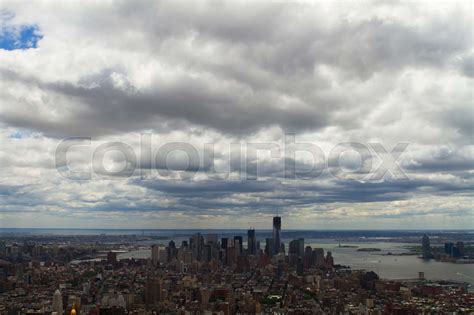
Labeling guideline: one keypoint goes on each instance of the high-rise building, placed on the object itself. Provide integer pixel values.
(301, 247)
(207, 252)
(152, 292)
(300, 266)
(293, 252)
(297, 247)
(3, 248)
(251, 242)
(57, 303)
(203, 296)
(223, 253)
(211, 238)
(309, 258)
(224, 242)
(155, 255)
(455, 251)
(231, 255)
(449, 249)
(112, 258)
(163, 255)
(239, 240)
(276, 234)
(319, 257)
(460, 247)
(197, 245)
(329, 260)
(269, 246)
(172, 251)
(425, 247)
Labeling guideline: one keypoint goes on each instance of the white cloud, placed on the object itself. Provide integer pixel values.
(238, 72)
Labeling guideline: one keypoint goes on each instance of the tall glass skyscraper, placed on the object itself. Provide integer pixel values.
(276, 234)
(425, 247)
(251, 242)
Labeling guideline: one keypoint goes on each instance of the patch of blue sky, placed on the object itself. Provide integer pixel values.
(21, 134)
(14, 36)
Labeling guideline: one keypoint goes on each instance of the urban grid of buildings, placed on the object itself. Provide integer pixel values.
(211, 275)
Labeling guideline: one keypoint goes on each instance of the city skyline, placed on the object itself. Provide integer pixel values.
(236, 157)
(333, 116)
(217, 273)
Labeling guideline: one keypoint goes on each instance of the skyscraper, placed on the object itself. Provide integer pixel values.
(211, 238)
(112, 258)
(329, 260)
(172, 251)
(152, 291)
(197, 245)
(293, 252)
(224, 243)
(155, 254)
(293, 248)
(460, 246)
(425, 247)
(251, 242)
(318, 254)
(301, 247)
(276, 234)
(57, 303)
(269, 246)
(238, 240)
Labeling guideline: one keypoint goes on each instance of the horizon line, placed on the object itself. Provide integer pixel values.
(205, 229)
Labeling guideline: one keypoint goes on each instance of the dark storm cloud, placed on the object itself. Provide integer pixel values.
(199, 187)
(272, 193)
(264, 72)
(106, 109)
(444, 160)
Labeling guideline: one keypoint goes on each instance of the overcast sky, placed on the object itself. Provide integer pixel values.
(225, 72)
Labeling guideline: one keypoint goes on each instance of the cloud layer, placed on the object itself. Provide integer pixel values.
(237, 72)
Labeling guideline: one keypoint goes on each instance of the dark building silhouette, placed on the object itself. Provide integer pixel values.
(460, 246)
(329, 260)
(300, 266)
(251, 242)
(425, 247)
(152, 292)
(269, 246)
(309, 258)
(196, 244)
(171, 250)
(238, 243)
(455, 251)
(449, 249)
(112, 258)
(224, 243)
(319, 257)
(295, 251)
(276, 234)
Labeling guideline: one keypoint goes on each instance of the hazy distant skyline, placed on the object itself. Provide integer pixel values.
(236, 72)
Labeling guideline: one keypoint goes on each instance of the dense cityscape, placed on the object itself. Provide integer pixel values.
(211, 275)
(236, 157)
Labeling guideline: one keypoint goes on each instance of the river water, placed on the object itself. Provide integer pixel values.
(386, 266)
